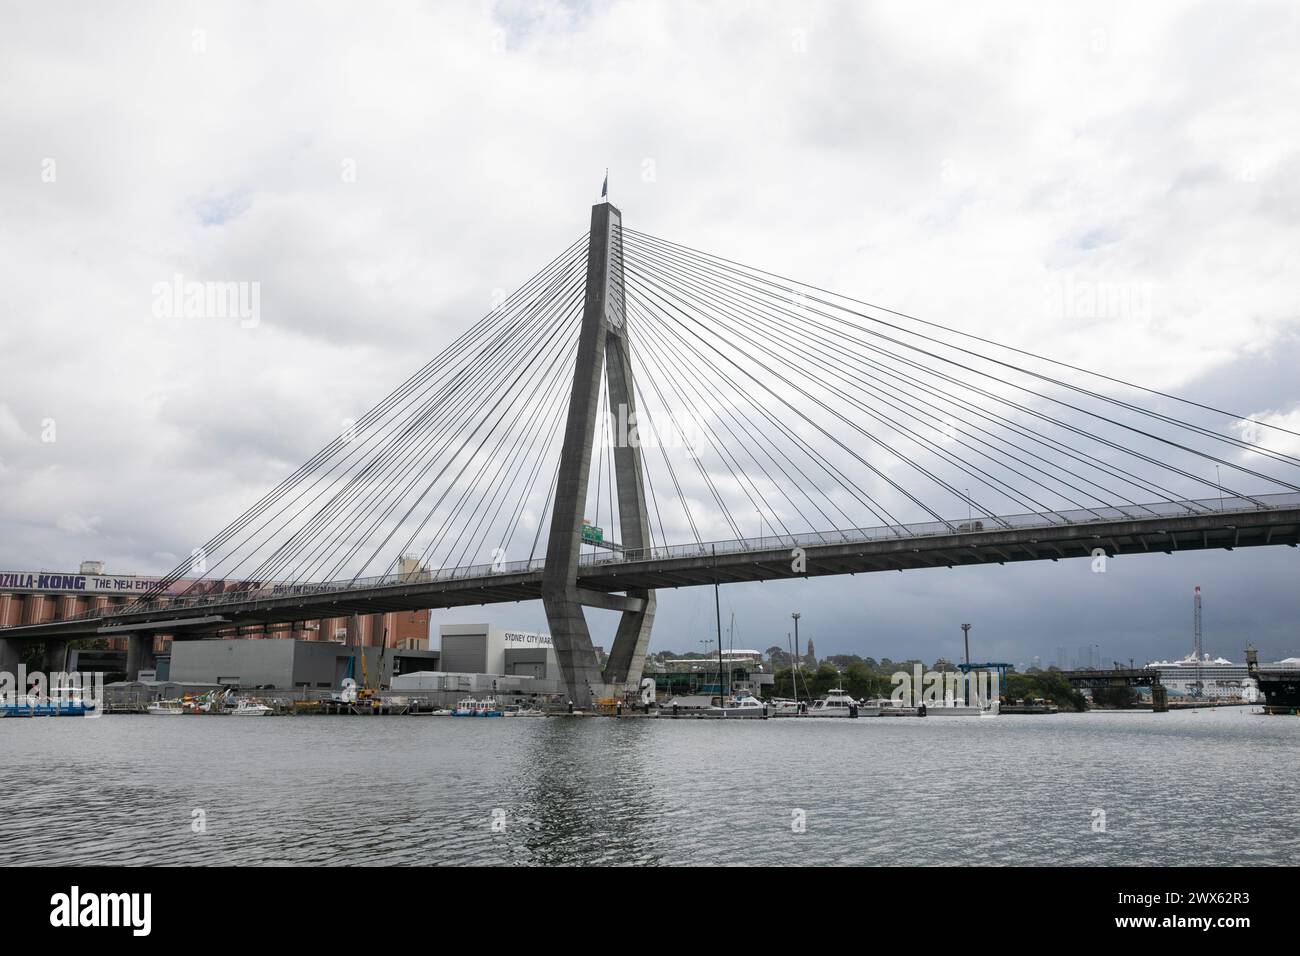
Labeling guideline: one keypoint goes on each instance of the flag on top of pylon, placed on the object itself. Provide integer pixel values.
(604, 189)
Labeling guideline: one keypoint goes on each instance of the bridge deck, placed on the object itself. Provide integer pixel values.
(1274, 520)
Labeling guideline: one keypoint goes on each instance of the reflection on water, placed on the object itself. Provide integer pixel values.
(1194, 787)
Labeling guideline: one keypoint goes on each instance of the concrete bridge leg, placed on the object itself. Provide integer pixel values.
(139, 655)
(602, 347)
(631, 640)
(627, 655)
(573, 648)
(10, 655)
(55, 659)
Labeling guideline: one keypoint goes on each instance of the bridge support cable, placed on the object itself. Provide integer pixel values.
(1201, 430)
(706, 375)
(666, 265)
(804, 319)
(828, 357)
(372, 487)
(807, 323)
(373, 429)
(821, 370)
(704, 397)
(661, 443)
(985, 509)
(518, 442)
(784, 283)
(687, 383)
(679, 316)
(498, 415)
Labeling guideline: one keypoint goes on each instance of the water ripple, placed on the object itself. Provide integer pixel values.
(1181, 788)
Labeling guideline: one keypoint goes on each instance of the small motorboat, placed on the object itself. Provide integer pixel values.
(786, 707)
(836, 703)
(738, 707)
(248, 707)
(166, 708)
(523, 710)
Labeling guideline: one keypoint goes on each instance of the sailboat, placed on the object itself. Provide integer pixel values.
(731, 706)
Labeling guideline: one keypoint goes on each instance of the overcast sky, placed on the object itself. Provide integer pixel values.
(383, 170)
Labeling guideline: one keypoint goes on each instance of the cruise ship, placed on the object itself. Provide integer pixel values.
(1206, 677)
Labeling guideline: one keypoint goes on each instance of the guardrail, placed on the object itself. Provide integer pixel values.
(972, 525)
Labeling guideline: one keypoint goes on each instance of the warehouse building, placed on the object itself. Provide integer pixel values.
(485, 649)
(36, 597)
(287, 664)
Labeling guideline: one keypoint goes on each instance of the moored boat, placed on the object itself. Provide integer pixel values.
(837, 703)
(523, 710)
(165, 708)
(64, 702)
(473, 707)
(248, 707)
(739, 706)
(1278, 682)
(786, 707)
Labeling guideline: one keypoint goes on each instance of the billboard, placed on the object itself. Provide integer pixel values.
(58, 581)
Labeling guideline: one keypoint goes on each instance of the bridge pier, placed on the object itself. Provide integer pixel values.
(602, 346)
(10, 655)
(55, 659)
(139, 654)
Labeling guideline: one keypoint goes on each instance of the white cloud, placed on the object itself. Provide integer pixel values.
(956, 163)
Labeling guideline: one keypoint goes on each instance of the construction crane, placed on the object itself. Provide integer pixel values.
(365, 694)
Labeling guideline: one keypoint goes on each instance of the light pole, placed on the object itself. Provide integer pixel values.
(965, 636)
(794, 678)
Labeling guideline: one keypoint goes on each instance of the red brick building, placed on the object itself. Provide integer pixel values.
(34, 597)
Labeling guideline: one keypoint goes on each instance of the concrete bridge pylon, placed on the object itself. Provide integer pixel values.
(602, 348)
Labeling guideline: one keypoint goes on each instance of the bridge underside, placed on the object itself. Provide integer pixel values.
(600, 584)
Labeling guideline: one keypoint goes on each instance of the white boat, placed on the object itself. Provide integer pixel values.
(166, 708)
(785, 707)
(837, 703)
(739, 706)
(251, 708)
(952, 708)
(688, 705)
(887, 707)
(520, 710)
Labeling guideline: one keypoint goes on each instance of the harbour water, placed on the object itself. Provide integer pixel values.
(1192, 787)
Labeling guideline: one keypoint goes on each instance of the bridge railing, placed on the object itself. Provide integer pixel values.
(785, 542)
(977, 524)
(246, 595)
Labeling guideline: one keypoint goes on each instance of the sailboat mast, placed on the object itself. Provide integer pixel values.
(717, 607)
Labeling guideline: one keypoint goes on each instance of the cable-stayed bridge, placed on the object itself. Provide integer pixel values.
(642, 415)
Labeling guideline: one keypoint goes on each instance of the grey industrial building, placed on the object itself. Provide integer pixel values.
(286, 664)
(475, 659)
